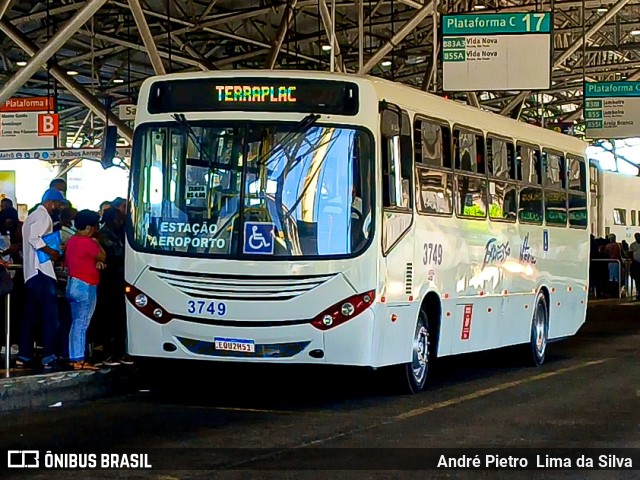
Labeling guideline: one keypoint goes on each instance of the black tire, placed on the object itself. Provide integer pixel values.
(415, 374)
(537, 348)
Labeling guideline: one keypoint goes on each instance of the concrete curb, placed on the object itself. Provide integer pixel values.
(41, 391)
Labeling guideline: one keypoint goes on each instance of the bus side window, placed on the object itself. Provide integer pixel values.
(397, 159)
(555, 195)
(434, 189)
(432, 144)
(577, 184)
(503, 190)
(530, 202)
(397, 175)
(470, 179)
(468, 150)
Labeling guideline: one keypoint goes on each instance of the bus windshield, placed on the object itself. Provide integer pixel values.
(237, 190)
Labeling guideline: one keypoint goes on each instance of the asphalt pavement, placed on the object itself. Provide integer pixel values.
(280, 423)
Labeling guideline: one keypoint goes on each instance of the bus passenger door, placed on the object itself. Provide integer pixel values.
(397, 218)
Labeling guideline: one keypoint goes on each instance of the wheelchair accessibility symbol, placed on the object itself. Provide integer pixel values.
(258, 237)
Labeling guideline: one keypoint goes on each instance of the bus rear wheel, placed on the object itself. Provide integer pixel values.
(416, 372)
(539, 332)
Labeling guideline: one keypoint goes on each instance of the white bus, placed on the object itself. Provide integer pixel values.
(615, 204)
(317, 218)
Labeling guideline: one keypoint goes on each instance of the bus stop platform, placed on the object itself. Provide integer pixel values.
(28, 390)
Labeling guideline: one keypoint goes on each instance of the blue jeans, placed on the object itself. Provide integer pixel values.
(41, 308)
(82, 299)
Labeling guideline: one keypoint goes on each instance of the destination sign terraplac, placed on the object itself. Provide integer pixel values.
(612, 109)
(501, 51)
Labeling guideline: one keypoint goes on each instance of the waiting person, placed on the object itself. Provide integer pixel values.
(67, 216)
(613, 251)
(121, 204)
(10, 225)
(7, 210)
(84, 258)
(5, 203)
(634, 252)
(40, 282)
(111, 315)
(59, 184)
(56, 184)
(104, 206)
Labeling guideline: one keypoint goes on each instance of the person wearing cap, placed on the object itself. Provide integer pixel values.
(40, 282)
(56, 184)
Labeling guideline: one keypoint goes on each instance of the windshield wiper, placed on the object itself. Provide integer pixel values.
(301, 127)
(186, 126)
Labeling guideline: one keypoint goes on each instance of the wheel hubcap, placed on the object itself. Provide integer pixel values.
(420, 354)
(539, 325)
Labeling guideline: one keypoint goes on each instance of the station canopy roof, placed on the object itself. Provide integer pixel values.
(110, 55)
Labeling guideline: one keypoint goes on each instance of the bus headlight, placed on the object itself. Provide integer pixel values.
(343, 311)
(141, 300)
(146, 305)
(347, 309)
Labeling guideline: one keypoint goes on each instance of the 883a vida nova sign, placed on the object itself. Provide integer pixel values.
(502, 51)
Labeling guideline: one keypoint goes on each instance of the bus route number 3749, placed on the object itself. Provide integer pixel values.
(200, 307)
(432, 254)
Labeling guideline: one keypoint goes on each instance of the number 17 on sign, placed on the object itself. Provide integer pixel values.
(533, 20)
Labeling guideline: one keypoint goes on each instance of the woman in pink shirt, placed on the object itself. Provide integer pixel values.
(83, 257)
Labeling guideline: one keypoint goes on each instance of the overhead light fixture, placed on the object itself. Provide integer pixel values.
(118, 80)
(602, 10)
(479, 7)
(415, 60)
(386, 63)
(72, 72)
(21, 63)
(634, 32)
(326, 48)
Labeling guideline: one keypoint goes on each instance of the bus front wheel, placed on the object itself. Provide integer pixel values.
(539, 331)
(416, 372)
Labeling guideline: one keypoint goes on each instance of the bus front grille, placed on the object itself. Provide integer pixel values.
(240, 287)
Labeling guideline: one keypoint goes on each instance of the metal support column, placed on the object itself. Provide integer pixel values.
(4, 7)
(147, 38)
(287, 18)
(80, 128)
(74, 88)
(39, 60)
(406, 29)
(360, 33)
(7, 331)
(328, 22)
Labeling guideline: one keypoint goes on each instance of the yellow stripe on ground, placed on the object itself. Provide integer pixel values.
(488, 391)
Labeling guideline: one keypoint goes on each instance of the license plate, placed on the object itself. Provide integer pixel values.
(234, 345)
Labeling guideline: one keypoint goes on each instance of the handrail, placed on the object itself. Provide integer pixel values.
(7, 324)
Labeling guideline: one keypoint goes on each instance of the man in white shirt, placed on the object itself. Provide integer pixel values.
(634, 251)
(40, 282)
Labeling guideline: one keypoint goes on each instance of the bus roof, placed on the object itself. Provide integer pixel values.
(410, 98)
